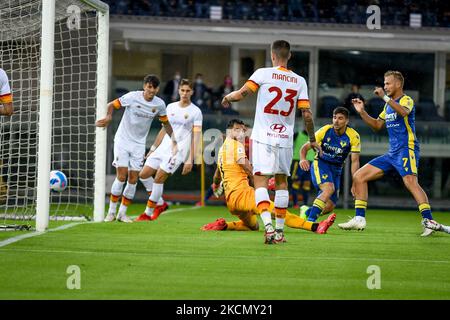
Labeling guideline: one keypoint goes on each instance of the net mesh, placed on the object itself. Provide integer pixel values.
(74, 107)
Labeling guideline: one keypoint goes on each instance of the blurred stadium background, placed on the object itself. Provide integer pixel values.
(333, 49)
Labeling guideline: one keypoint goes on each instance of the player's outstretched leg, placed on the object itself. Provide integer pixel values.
(263, 203)
(116, 191)
(281, 204)
(127, 199)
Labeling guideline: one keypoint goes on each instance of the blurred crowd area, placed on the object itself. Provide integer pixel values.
(435, 13)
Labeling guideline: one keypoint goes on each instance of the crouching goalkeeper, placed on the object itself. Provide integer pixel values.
(234, 173)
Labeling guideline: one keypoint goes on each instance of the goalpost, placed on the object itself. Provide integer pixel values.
(56, 56)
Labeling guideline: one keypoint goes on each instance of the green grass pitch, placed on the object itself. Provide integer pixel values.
(171, 258)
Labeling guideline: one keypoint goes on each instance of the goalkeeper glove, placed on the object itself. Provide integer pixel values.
(217, 189)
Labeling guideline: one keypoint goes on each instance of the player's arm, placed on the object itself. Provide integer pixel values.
(6, 109)
(104, 122)
(217, 178)
(304, 164)
(354, 167)
(6, 106)
(403, 111)
(375, 124)
(355, 162)
(246, 165)
(195, 150)
(169, 130)
(236, 95)
(309, 126)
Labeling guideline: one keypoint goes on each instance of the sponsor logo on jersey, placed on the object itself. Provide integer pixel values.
(277, 127)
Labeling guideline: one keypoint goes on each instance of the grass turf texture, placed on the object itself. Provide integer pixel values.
(171, 258)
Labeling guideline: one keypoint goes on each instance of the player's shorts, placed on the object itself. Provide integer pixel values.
(128, 155)
(322, 172)
(269, 160)
(404, 161)
(162, 157)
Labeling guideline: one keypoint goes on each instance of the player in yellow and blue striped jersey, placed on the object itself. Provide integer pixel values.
(337, 140)
(403, 155)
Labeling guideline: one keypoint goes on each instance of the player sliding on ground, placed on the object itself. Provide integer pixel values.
(337, 141)
(186, 119)
(403, 155)
(235, 172)
(141, 107)
(280, 91)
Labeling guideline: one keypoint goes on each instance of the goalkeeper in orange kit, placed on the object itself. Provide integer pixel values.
(234, 175)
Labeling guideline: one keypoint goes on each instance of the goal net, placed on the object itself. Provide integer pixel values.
(76, 79)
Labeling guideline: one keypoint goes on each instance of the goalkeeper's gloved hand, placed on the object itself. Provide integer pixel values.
(217, 189)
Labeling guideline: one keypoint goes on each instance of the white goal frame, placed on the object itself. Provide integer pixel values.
(46, 105)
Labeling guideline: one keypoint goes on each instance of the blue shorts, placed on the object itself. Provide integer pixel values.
(404, 161)
(322, 172)
(299, 174)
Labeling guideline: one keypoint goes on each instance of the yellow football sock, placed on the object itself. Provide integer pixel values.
(294, 221)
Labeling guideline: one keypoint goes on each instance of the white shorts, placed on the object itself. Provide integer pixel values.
(129, 155)
(162, 157)
(270, 160)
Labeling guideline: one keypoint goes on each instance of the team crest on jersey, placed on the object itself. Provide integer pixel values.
(154, 110)
(328, 139)
(343, 144)
(324, 176)
(172, 114)
(186, 115)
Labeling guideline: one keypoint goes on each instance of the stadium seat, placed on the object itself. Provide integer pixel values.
(327, 105)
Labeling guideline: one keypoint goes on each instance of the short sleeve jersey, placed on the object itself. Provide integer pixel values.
(401, 131)
(280, 92)
(335, 148)
(138, 116)
(184, 121)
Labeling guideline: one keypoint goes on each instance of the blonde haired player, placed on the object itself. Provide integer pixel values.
(235, 172)
(280, 91)
(141, 107)
(186, 119)
(6, 106)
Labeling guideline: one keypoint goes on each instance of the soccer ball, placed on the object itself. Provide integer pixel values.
(58, 181)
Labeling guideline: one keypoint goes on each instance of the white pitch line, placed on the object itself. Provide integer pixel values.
(36, 233)
(203, 256)
(67, 226)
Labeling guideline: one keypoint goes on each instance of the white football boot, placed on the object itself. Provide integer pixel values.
(124, 218)
(429, 226)
(355, 223)
(110, 217)
(303, 210)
